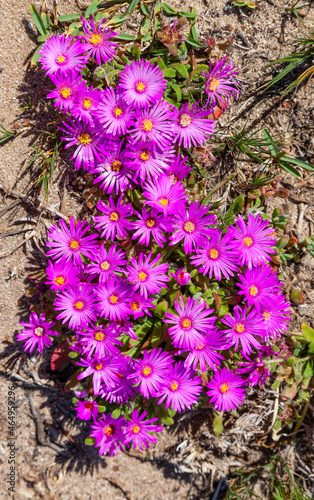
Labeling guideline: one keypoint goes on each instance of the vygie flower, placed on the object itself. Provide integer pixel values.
(253, 240)
(114, 218)
(165, 196)
(37, 332)
(178, 169)
(190, 127)
(225, 390)
(150, 371)
(192, 321)
(147, 277)
(108, 434)
(67, 86)
(98, 341)
(182, 276)
(87, 409)
(192, 226)
(77, 305)
(114, 113)
(143, 83)
(97, 40)
(69, 243)
(217, 256)
(139, 305)
(107, 263)
(59, 54)
(153, 124)
(123, 390)
(104, 370)
(260, 286)
(203, 352)
(113, 299)
(139, 430)
(151, 224)
(220, 82)
(243, 327)
(276, 316)
(180, 388)
(257, 369)
(86, 103)
(61, 274)
(149, 159)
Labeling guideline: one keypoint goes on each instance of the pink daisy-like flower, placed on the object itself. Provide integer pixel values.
(139, 305)
(59, 54)
(125, 326)
(178, 169)
(37, 332)
(151, 224)
(260, 286)
(190, 127)
(147, 277)
(97, 40)
(108, 434)
(180, 388)
(69, 243)
(86, 103)
(139, 430)
(276, 316)
(217, 257)
(153, 124)
(165, 196)
(150, 371)
(220, 82)
(113, 299)
(143, 83)
(103, 370)
(243, 327)
(182, 276)
(203, 353)
(114, 113)
(123, 390)
(77, 305)
(86, 410)
(149, 159)
(106, 263)
(225, 390)
(61, 274)
(88, 141)
(192, 226)
(258, 371)
(66, 91)
(253, 240)
(114, 218)
(192, 321)
(98, 341)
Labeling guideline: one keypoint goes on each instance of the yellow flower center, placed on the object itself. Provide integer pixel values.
(140, 87)
(79, 305)
(135, 306)
(116, 165)
(145, 155)
(108, 430)
(213, 84)
(142, 276)
(147, 125)
(253, 290)
(189, 227)
(163, 201)
(136, 429)
(185, 120)
(174, 386)
(239, 327)
(61, 59)
(84, 139)
(247, 242)
(114, 216)
(118, 111)
(99, 336)
(74, 245)
(88, 406)
(39, 331)
(186, 323)
(105, 265)
(113, 299)
(87, 103)
(65, 92)
(266, 316)
(213, 253)
(95, 39)
(224, 387)
(150, 222)
(98, 367)
(146, 371)
(60, 280)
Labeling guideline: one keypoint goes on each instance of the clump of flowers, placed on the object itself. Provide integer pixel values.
(142, 294)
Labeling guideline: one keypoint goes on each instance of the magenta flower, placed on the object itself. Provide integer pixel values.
(103, 370)
(61, 274)
(203, 353)
(147, 277)
(97, 40)
(253, 240)
(139, 431)
(276, 316)
(151, 224)
(106, 263)
(182, 276)
(190, 127)
(108, 434)
(180, 388)
(217, 257)
(113, 299)
(69, 243)
(125, 327)
(114, 218)
(220, 82)
(258, 371)
(150, 371)
(77, 305)
(123, 390)
(98, 341)
(178, 169)
(87, 409)
(192, 321)
(192, 226)
(37, 332)
(88, 141)
(87, 101)
(165, 196)
(259, 286)
(114, 113)
(225, 390)
(66, 91)
(153, 124)
(149, 159)
(59, 54)
(116, 174)
(139, 305)
(243, 327)
(143, 83)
